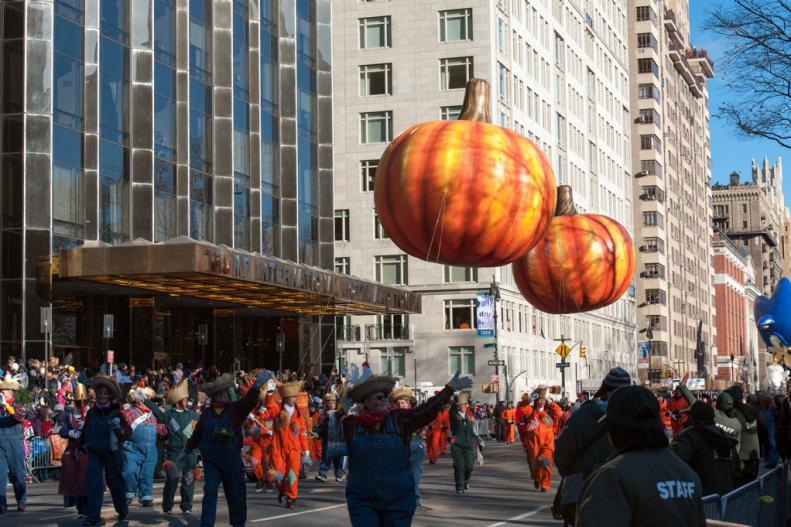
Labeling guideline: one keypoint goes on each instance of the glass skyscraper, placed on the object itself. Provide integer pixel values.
(131, 123)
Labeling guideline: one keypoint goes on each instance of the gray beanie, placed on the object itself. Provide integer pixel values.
(616, 378)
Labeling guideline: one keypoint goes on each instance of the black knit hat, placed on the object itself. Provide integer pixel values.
(616, 378)
(633, 406)
(701, 412)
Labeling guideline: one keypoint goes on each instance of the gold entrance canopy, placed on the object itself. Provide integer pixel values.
(186, 267)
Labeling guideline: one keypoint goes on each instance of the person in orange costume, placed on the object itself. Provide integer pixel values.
(541, 438)
(434, 436)
(444, 426)
(675, 405)
(259, 427)
(315, 440)
(509, 415)
(664, 414)
(289, 442)
(519, 418)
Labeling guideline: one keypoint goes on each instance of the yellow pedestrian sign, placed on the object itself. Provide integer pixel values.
(563, 351)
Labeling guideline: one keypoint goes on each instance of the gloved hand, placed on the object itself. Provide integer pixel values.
(459, 383)
(306, 458)
(263, 377)
(75, 434)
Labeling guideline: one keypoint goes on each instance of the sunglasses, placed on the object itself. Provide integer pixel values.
(379, 397)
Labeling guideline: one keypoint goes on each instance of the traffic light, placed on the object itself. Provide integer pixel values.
(583, 350)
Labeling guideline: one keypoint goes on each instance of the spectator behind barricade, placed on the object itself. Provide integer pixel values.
(769, 449)
(782, 417)
(749, 447)
(708, 450)
(645, 484)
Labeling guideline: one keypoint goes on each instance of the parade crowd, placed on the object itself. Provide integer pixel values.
(624, 453)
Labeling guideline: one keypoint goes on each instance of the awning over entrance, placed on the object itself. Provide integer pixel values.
(186, 267)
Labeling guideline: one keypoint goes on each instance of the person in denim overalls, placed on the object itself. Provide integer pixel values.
(404, 398)
(381, 488)
(140, 451)
(12, 458)
(218, 435)
(333, 448)
(104, 433)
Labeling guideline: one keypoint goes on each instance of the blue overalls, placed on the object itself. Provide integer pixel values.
(380, 491)
(417, 453)
(12, 459)
(104, 455)
(333, 447)
(222, 462)
(140, 459)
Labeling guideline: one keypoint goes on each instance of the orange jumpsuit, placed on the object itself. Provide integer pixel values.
(541, 442)
(315, 442)
(260, 431)
(664, 414)
(509, 415)
(675, 406)
(443, 430)
(521, 425)
(289, 441)
(434, 436)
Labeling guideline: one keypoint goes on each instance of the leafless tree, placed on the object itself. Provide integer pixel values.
(757, 66)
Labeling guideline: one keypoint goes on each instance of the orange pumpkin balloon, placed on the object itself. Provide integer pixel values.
(465, 192)
(585, 261)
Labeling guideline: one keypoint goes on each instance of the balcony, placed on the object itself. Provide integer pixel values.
(672, 28)
(349, 333)
(379, 332)
(700, 58)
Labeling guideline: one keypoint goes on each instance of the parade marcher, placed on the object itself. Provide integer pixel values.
(644, 484)
(104, 433)
(333, 448)
(676, 405)
(540, 419)
(664, 414)
(219, 436)
(464, 441)
(380, 490)
(749, 447)
(444, 428)
(260, 429)
(519, 417)
(708, 450)
(509, 416)
(140, 450)
(73, 479)
(12, 457)
(180, 421)
(403, 398)
(583, 445)
(289, 443)
(434, 436)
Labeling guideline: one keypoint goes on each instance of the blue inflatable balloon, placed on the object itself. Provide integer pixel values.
(773, 316)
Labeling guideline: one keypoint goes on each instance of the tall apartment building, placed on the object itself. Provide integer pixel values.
(167, 165)
(558, 71)
(671, 164)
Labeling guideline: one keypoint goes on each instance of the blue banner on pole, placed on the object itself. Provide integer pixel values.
(484, 315)
(643, 349)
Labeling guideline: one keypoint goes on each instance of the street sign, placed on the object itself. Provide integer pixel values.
(496, 363)
(562, 364)
(563, 351)
(490, 345)
(485, 332)
(495, 378)
(110, 356)
(642, 364)
(643, 349)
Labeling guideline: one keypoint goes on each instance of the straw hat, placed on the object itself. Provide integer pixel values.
(148, 393)
(179, 392)
(541, 391)
(401, 393)
(464, 397)
(80, 392)
(9, 384)
(223, 382)
(109, 383)
(289, 389)
(375, 384)
(330, 397)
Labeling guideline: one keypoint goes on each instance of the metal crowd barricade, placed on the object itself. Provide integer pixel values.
(742, 505)
(765, 502)
(712, 507)
(39, 457)
(483, 428)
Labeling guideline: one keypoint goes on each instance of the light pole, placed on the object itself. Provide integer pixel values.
(494, 293)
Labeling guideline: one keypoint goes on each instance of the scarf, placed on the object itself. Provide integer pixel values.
(371, 419)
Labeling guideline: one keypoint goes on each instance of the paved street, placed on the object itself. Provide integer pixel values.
(501, 494)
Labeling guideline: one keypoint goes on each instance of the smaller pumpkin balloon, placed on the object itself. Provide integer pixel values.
(585, 262)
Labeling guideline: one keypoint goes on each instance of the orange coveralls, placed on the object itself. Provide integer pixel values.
(315, 443)
(675, 406)
(521, 425)
(434, 436)
(289, 441)
(664, 414)
(541, 441)
(260, 431)
(509, 414)
(443, 430)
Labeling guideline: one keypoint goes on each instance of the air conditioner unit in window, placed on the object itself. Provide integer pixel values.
(643, 248)
(642, 173)
(639, 120)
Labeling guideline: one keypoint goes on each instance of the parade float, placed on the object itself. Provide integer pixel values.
(773, 318)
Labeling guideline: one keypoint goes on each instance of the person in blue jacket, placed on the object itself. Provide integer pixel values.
(103, 435)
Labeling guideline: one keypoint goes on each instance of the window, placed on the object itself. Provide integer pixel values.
(342, 225)
(654, 270)
(461, 359)
(647, 91)
(502, 83)
(653, 219)
(455, 274)
(376, 79)
(652, 167)
(391, 270)
(648, 142)
(393, 361)
(389, 327)
(342, 265)
(648, 66)
(455, 72)
(653, 245)
(455, 25)
(368, 173)
(655, 296)
(653, 193)
(450, 113)
(645, 13)
(376, 127)
(375, 32)
(646, 40)
(379, 232)
(459, 314)
(649, 115)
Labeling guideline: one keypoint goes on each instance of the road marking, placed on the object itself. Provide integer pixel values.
(520, 517)
(298, 513)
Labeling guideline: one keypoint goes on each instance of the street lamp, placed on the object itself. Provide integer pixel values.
(494, 294)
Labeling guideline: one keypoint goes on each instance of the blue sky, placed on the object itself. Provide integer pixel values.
(729, 151)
